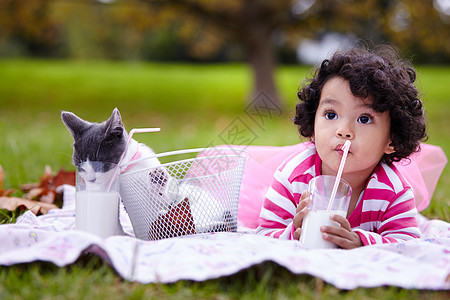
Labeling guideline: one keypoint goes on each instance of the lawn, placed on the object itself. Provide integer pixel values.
(193, 104)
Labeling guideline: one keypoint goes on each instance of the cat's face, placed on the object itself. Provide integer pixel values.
(97, 148)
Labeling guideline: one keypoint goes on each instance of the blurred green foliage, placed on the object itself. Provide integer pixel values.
(214, 30)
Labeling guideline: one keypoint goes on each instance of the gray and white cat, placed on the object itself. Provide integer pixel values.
(104, 144)
(98, 148)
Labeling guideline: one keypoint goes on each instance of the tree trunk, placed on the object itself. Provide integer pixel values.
(252, 26)
(258, 45)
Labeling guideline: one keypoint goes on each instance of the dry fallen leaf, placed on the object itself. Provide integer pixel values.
(63, 177)
(40, 197)
(37, 207)
(45, 190)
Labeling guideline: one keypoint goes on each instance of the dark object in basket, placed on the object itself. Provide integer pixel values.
(177, 221)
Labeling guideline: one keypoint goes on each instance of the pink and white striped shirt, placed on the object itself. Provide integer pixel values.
(385, 212)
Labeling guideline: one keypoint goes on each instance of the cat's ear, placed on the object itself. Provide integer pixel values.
(75, 124)
(114, 125)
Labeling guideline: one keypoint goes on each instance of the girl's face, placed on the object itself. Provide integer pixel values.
(341, 116)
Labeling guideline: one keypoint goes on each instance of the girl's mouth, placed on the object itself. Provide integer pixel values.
(339, 149)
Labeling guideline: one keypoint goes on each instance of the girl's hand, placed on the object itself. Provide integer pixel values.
(342, 236)
(301, 212)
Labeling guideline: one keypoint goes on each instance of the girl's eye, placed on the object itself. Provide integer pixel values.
(331, 116)
(365, 120)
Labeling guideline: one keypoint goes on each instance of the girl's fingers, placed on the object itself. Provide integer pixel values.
(343, 236)
(297, 233)
(301, 211)
(298, 218)
(344, 239)
(335, 230)
(342, 221)
(304, 201)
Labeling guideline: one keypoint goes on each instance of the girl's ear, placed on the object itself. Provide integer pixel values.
(389, 148)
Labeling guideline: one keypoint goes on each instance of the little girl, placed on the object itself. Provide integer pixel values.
(371, 100)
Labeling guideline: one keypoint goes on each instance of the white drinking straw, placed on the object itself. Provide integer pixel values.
(345, 148)
(130, 135)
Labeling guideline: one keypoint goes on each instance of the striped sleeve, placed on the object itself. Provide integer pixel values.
(388, 212)
(280, 203)
(277, 213)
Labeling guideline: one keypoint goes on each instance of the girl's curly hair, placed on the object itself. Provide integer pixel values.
(384, 78)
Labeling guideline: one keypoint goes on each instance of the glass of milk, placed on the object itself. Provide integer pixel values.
(320, 189)
(97, 200)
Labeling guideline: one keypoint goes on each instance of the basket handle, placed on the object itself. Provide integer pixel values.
(241, 152)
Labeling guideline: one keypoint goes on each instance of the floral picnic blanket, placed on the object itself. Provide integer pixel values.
(420, 264)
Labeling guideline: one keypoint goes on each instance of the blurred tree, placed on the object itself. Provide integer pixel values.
(254, 29)
(414, 26)
(252, 24)
(259, 25)
(29, 24)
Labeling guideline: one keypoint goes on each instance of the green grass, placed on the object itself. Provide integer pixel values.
(193, 104)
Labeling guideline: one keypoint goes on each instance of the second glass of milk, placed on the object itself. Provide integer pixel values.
(97, 200)
(320, 189)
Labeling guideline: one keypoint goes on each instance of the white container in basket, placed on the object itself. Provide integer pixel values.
(192, 195)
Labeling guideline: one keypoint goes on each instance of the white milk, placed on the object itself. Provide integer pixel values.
(97, 212)
(311, 236)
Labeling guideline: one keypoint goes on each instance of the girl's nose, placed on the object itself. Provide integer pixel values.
(345, 132)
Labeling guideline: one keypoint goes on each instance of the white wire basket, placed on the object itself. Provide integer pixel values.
(187, 196)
